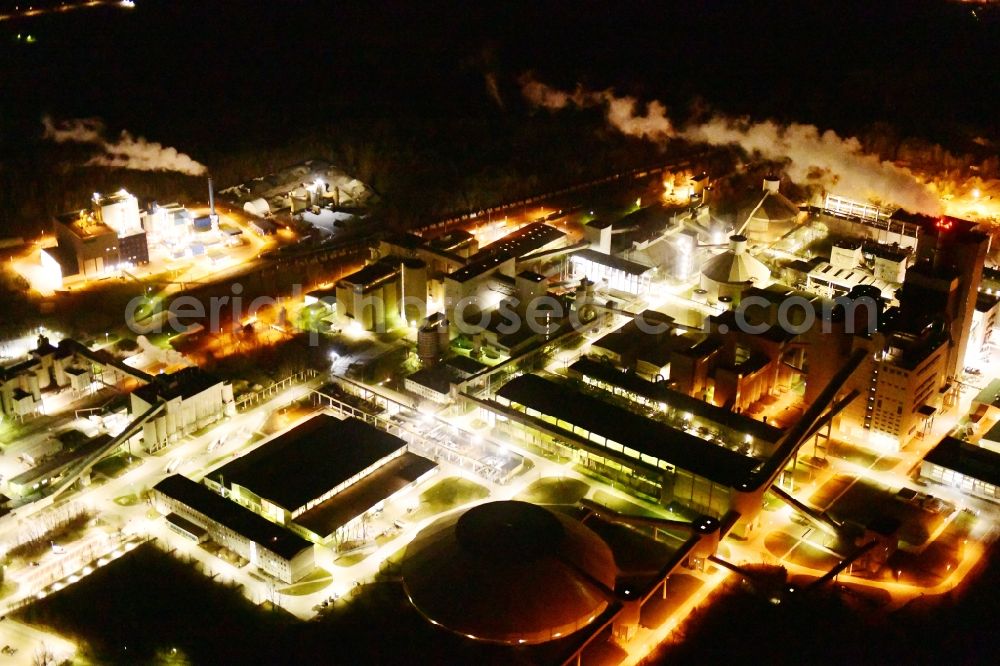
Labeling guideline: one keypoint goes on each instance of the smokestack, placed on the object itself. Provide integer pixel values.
(771, 184)
(211, 197)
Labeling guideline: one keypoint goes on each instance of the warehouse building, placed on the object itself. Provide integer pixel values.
(343, 517)
(305, 466)
(436, 382)
(737, 431)
(646, 455)
(612, 272)
(972, 469)
(511, 573)
(274, 550)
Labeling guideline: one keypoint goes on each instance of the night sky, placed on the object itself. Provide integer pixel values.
(214, 75)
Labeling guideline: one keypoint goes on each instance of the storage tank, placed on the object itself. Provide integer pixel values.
(149, 434)
(428, 344)
(729, 273)
(171, 421)
(161, 429)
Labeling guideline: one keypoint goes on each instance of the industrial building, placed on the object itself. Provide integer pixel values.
(643, 454)
(306, 465)
(832, 281)
(902, 385)
(470, 289)
(984, 322)
(437, 383)
(735, 430)
(70, 365)
(314, 182)
(343, 517)
(384, 294)
(916, 350)
(644, 344)
(972, 469)
(611, 272)
(50, 469)
(170, 224)
(191, 399)
(442, 254)
(271, 548)
(97, 241)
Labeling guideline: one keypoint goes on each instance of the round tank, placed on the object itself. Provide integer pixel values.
(428, 344)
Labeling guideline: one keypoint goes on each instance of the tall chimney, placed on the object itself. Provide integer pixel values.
(211, 197)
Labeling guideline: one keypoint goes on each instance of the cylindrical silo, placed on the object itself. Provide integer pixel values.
(414, 289)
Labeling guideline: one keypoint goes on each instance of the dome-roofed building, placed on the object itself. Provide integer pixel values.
(774, 209)
(729, 273)
(509, 572)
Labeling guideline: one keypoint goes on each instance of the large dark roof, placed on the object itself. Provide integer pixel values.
(185, 383)
(682, 401)
(986, 302)
(241, 520)
(629, 429)
(440, 377)
(527, 239)
(634, 338)
(510, 572)
(372, 275)
(611, 261)
(308, 460)
(968, 459)
(332, 514)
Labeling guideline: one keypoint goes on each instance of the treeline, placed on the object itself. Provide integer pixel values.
(422, 168)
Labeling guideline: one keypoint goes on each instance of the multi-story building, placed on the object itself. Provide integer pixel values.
(271, 548)
(70, 365)
(94, 242)
(944, 282)
(901, 386)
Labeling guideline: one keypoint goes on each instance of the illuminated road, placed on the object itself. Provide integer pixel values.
(62, 8)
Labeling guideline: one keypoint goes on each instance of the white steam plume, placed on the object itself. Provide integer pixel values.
(812, 157)
(126, 152)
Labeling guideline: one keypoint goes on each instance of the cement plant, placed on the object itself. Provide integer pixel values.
(728, 387)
